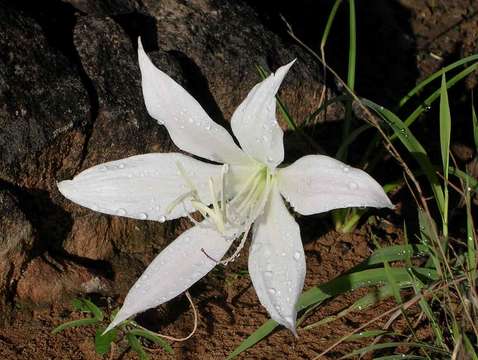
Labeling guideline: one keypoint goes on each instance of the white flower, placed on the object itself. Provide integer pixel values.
(232, 198)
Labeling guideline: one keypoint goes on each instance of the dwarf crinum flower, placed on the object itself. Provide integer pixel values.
(244, 195)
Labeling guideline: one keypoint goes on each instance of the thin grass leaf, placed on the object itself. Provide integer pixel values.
(370, 299)
(445, 127)
(325, 104)
(369, 333)
(352, 46)
(350, 139)
(103, 341)
(136, 346)
(330, 21)
(434, 76)
(400, 357)
(472, 182)
(470, 349)
(475, 124)
(429, 100)
(75, 323)
(470, 237)
(263, 331)
(389, 345)
(411, 143)
(154, 338)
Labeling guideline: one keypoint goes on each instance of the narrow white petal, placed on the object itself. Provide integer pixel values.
(141, 187)
(254, 122)
(318, 183)
(190, 128)
(277, 262)
(182, 263)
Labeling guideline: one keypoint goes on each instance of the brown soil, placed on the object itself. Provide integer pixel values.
(439, 32)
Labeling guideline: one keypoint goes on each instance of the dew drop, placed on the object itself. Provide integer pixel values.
(297, 255)
(208, 127)
(268, 274)
(162, 219)
(143, 216)
(272, 291)
(264, 138)
(278, 308)
(121, 166)
(353, 186)
(346, 169)
(121, 212)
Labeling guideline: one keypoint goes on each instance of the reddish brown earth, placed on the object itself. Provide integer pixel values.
(429, 33)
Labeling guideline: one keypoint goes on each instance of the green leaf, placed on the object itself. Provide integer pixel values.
(434, 76)
(75, 323)
(136, 346)
(475, 125)
(154, 338)
(445, 126)
(429, 100)
(413, 146)
(367, 334)
(103, 342)
(381, 346)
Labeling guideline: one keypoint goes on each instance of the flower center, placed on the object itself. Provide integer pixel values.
(232, 214)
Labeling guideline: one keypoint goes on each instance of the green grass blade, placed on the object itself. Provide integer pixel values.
(445, 127)
(389, 345)
(429, 100)
(434, 76)
(475, 124)
(369, 333)
(355, 280)
(74, 323)
(352, 136)
(136, 346)
(330, 21)
(470, 349)
(352, 46)
(254, 338)
(470, 236)
(400, 357)
(411, 143)
(472, 182)
(103, 342)
(154, 338)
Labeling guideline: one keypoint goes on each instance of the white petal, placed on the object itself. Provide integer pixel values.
(186, 260)
(277, 262)
(190, 128)
(318, 183)
(141, 187)
(254, 122)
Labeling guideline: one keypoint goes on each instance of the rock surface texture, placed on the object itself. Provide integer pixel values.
(70, 98)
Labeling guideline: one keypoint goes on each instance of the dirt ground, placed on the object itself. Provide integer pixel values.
(434, 33)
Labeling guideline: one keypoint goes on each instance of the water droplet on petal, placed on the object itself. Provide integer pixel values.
(353, 186)
(268, 274)
(143, 216)
(208, 127)
(345, 169)
(121, 212)
(297, 255)
(162, 219)
(272, 291)
(121, 166)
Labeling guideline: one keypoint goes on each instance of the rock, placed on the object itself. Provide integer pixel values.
(44, 282)
(42, 101)
(16, 241)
